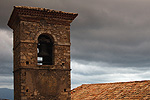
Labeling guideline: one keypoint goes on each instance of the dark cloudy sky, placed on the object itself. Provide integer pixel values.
(110, 39)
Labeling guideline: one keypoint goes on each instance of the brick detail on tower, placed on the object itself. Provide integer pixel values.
(46, 81)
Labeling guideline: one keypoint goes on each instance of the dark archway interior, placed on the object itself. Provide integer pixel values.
(45, 50)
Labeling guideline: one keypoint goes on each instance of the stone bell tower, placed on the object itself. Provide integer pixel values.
(41, 53)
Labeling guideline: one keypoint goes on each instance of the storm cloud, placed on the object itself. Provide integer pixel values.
(117, 33)
(110, 38)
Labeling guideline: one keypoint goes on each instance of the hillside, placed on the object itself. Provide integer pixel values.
(6, 94)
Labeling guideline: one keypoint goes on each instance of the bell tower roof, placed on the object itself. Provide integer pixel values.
(35, 14)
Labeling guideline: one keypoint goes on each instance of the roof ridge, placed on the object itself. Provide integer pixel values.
(116, 82)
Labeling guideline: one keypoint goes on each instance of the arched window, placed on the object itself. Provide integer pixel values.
(45, 50)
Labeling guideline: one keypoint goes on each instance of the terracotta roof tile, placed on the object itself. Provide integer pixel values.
(134, 90)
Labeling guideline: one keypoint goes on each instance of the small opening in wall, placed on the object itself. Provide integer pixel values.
(63, 64)
(24, 73)
(65, 90)
(27, 62)
(27, 90)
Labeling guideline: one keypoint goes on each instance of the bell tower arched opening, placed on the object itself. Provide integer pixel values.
(45, 50)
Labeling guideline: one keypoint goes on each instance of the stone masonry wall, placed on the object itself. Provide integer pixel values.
(51, 80)
(46, 82)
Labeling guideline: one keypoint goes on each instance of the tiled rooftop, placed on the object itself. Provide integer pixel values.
(136, 90)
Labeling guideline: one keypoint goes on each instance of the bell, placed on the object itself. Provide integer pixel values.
(43, 50)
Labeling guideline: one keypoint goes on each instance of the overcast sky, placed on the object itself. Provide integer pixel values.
(110, 39)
